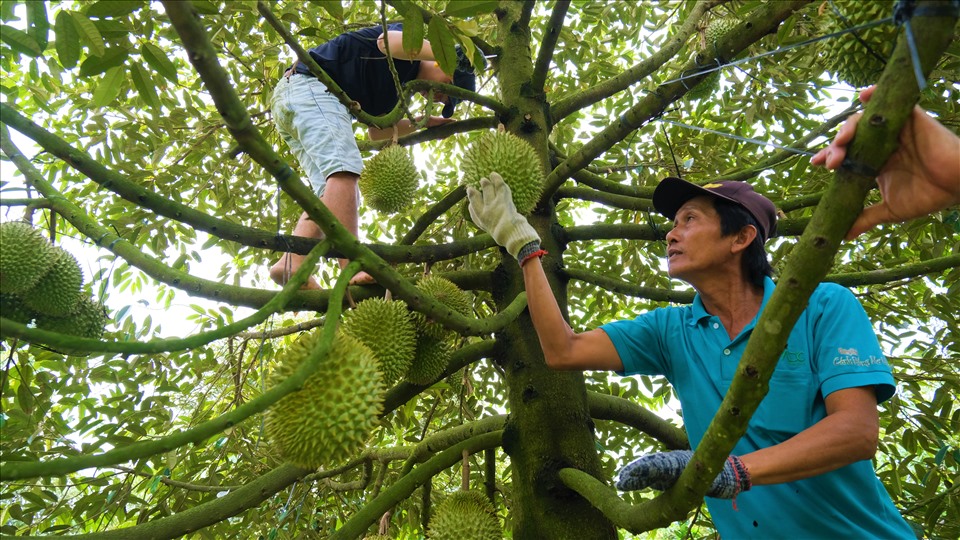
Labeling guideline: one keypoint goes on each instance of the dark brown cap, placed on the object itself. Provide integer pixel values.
(672, 193)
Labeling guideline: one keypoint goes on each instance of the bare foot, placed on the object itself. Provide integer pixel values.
(281, 271)
(362, 278)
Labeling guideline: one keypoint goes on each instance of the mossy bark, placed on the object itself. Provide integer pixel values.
(549, 426)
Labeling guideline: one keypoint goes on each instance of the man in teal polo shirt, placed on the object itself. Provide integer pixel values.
(803, 468)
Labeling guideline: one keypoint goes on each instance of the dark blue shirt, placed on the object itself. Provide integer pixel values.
(357, 65)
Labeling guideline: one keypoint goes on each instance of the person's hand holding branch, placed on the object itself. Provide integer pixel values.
(921, 177)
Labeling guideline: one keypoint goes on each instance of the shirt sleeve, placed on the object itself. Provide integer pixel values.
(639, 344)
(847, 353)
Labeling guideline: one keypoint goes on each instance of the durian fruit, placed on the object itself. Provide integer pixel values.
(25, 256)
(449, 295)
(514, 159)
(706, 87)
(715, 31)
(718, 29)
(13, 308)
(431, 359)
(58, 291)
(87, 320)
(389, 180)
(465, 515)
(455, 380)
(386, 328)
(846, 56)
(331, 417)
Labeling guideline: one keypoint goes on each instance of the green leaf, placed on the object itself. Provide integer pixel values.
(144, 85)
(20, 41)
(94, 65)
(333, 7)
(413, 32)
(67, 40)
(469, 8)
(205, 7)
(88, 33)
(25, 398)
(109, 87)
(38, 25)
(159, 61)
(443, 44)
(114, 8)
(155, 483)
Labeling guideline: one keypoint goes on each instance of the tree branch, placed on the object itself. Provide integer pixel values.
(432, 214)
(448, 437)
(136, 194)
(625, 202)
(607, 407)
(572, 104)
(886, 275)
(405, 391)
(761, 22)
(203, 515)
(812, 257)
(20, 470)
(631, 289)
(402, 489)
(550, 36)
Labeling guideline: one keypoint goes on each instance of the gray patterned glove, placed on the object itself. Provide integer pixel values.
(661, 471)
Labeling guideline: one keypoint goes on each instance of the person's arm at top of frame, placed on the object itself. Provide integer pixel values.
(395, 38)
(922, 175)
(492, 209)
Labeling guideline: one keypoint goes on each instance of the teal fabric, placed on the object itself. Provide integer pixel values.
(832, 347)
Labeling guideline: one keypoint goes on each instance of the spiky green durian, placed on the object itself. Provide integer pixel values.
(386, 328)
(87, 320)
(705, 88)
(58, 291)
(718, 29)
(330, 418)
(389, 180)
(846, 55)
(430, 360)
(455, 380)
(449, 295)
(715, 31)
(13, 308)
(25, 256)
(514, 159)
(465, 515)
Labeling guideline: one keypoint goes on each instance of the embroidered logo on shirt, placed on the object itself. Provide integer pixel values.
(793, 358)
(851, 357)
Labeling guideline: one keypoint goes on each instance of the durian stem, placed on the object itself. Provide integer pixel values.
(465, 471)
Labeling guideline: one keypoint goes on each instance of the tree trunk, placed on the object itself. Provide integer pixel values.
(549, 426)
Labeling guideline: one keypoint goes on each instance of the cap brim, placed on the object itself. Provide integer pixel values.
(672, 193)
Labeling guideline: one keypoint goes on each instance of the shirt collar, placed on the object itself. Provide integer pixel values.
(699, 313)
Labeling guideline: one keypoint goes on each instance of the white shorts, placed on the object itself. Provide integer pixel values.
(317, 128)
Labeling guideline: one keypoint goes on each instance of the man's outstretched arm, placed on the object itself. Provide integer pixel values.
(492, 209)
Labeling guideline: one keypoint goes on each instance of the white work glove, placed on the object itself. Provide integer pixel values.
(492, 209)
